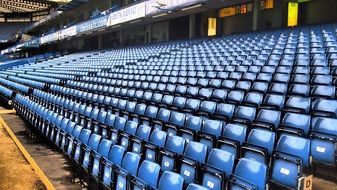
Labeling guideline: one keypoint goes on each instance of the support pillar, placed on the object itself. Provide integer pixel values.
(256, 12)
(192, 26)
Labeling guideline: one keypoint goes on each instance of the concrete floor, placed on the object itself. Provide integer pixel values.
(15, 171)
(53, 163)
(57, 168)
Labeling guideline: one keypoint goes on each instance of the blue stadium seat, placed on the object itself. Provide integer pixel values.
(174, 145)
(224, 111)
(193, 186)
(102, 152)
(148, 175)
(291, 157)
(157, 140)
(220, 165)
(194, 154)
(250, 175)
(130, 166)
(267, 119)
(83, 139)
(298, 104)
(245, 114)
(170, 180)
(259, 145)
(295, 123)
(326, 108)
(211, 131)
(323, 140)
(142, 134)
(236, 132)
(192, 126)
(92, 146)
(115, 158)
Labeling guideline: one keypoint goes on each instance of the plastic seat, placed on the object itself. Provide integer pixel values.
(192, 126)
(245, 114)
(219, 95)
(83, 139)
(148, 174)
(174, 145)
(194, 153)
(249, 174)
(92, 145)
(131, 128)
(253, 99)
(170, 180)
(268, 119)
(278, 88)
(326, 108)
(321, 91)
(292, 155)
(235, 132)
(299, 90)
(193, 186)
(224, 111)
(298, 104)
(192, 105)
(235, 97)
(220, 165)
(211, 131)
(274, 101)
(205, 93)
(130, 165)
(323, 140)
(259, 145)
(207, 108)
(261, 87)
(142, 134)
(179, 102)
(163, 117)
(177, 120)
(296, 123)
(157, 140)
(102, 152)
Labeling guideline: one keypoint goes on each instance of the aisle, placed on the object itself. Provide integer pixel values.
(15, 171)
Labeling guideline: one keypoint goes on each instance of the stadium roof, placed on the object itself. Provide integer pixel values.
(26, 6)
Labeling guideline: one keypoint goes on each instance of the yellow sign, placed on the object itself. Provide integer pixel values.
(307, 182)
(292, 14)
(211, 26)
(225, 12)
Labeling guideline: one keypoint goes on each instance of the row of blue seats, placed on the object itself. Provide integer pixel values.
(277, 175)
(190, 104)
(227, 86)
(292, 122)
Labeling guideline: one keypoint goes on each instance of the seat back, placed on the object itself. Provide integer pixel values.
(236, 132)
(149, 173)
(85, 135)
(262, 138)
(175, 144)
(116, 154)
(94, 141)
(212, 127)
(222, 160)
(143, 132)
(252, 172)
(158, 138)
(295, 146)
(131, 162)
(197, 151)
(104, 147)
(170, 180)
